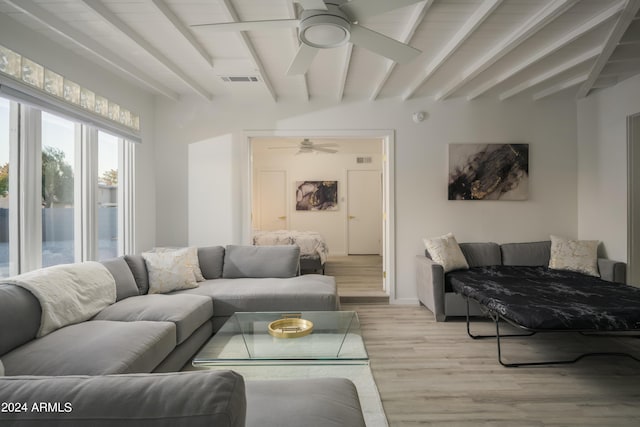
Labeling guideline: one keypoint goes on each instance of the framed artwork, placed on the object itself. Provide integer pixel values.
(316, 195)
(488, 172)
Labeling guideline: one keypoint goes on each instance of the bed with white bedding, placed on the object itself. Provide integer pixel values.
(313, 247)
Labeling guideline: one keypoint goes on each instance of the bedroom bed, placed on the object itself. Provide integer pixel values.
(313, 248)
(539, 299)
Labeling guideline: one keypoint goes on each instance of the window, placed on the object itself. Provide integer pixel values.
(58, 195)
(5, 143)
(108, 195)
(68, 194)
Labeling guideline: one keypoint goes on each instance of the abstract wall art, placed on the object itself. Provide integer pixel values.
(488, 172)
(316, 195)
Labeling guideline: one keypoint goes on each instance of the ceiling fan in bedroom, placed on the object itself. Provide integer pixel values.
(307, 146)
(326, 24)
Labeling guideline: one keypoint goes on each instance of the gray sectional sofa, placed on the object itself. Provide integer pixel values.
(109, 368)
(435, 293)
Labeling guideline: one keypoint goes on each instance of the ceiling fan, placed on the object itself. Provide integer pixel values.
(307, 146)
(326, 24)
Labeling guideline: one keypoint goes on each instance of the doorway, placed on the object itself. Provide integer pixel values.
(364, 212)
(277, 144)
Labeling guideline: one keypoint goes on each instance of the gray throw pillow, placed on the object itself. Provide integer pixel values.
(211, 259)
(261, 261)
(125, 282)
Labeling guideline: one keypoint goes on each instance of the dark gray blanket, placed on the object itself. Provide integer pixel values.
(543, 299)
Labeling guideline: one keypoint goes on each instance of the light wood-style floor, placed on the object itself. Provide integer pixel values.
(431, 373)
(359, 278)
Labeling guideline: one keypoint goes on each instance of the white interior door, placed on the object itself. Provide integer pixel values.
(633, 170)
(272, 200)
(364, 206)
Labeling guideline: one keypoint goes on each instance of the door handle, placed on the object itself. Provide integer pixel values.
(352, 217)
(282, 217)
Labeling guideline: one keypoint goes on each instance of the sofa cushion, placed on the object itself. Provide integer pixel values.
(445, 251)
(209, 398)
(574, 255)
(139, 270)
(94, 348)
(188, 312)
(481, 254)
(211, 260)
(125, 282)
(529, 254)
(315, 402)
(19, 317)
(310, 292)
(261, 261)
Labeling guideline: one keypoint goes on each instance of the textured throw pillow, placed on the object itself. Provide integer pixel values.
(574, 255)
(445, 251)
(192, 255)
(169, 271)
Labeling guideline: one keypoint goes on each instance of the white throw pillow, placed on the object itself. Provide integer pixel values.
(192, 255)
(169, 271)
(574, 255)
(445, 251)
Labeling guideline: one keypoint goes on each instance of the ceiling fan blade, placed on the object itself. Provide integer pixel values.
(302, 60)
(324, 150)
(312, 4)
(326, 144)
(382, 45)
(358, 9)
(250, 25)
(280, 148)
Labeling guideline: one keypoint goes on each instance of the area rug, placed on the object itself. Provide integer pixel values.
(360, 375)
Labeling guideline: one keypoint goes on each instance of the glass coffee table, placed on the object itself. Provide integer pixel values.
(245, 340)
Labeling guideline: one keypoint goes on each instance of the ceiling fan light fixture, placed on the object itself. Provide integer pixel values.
(325, 31)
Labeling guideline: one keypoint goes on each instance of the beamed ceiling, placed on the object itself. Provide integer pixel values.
(470, 48)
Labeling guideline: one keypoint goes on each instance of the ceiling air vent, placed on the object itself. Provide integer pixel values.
(360, 160)
(239, 79)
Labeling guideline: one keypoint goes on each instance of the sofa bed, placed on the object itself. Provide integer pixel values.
(313, 247)
(119, 364)
(552, 286)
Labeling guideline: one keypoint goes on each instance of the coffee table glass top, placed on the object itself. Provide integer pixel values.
(245, 339)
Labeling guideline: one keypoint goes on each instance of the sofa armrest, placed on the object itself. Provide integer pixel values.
(613, 271)
(430, 284)
(214, 398)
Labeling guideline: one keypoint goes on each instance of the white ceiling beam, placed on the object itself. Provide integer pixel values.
(231, 11)
(60, 27)
(119, 25)
(419, 12)
(344, 71)
(558, 44)
(293, 14)
(565, 66)
(560, 86)
(479, 16)
(621, 25)
(184, 30)
(547, 14)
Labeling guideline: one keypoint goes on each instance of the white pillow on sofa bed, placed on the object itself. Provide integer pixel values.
(193, 261)
(169, 271)
(574, 255)
(445, 251)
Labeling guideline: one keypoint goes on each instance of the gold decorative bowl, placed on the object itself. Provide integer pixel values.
(290, 327)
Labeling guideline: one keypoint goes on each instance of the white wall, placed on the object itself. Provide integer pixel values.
(93, 76)
(602, 165)
(332, 225)
(422, 208)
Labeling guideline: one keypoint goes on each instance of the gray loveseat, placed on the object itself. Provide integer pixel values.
(435, 293)
(107, 369)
